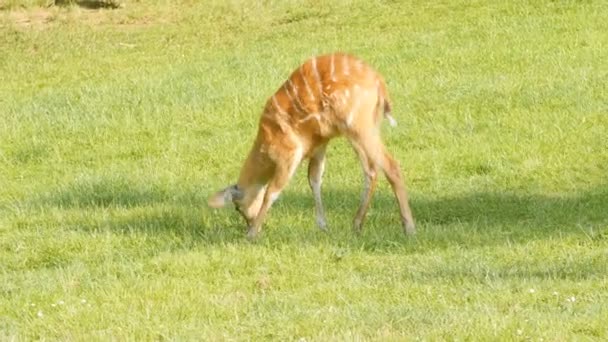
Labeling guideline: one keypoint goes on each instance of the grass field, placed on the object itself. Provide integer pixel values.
(116, 124)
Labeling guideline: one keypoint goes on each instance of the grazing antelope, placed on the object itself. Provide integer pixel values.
(325, 97)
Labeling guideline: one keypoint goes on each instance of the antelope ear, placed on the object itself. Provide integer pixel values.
(225, 196)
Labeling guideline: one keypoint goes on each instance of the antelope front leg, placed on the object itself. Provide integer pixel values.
(316, 167)
(275, 186)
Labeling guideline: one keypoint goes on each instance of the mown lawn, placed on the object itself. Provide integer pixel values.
(116, 124)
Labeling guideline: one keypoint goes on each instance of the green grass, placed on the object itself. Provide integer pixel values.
(115, 126)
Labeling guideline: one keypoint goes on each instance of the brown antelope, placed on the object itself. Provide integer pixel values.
(325, 97)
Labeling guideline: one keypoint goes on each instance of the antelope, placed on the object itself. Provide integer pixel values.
(326, 97)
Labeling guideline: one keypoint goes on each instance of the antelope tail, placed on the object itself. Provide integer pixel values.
(385, 103)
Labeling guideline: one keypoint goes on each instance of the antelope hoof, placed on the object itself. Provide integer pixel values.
(409, 228)
(357, 226)
(252, 234)
(322, 225)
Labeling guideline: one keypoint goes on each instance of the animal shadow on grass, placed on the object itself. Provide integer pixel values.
(476, 218)
(480, 218)
(123, 206)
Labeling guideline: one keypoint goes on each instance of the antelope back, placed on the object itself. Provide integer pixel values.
(337, 82)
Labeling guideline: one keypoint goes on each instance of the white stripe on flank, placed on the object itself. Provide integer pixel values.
(292, 101)
(296, 97)
(276, 104)
(288, 93)
(310, 117)
(293, 88)
(317, 76)
(312, 96)
(332, 67)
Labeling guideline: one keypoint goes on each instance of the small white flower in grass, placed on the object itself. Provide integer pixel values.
(40, 314)
(60, 302)
(83, 301)
(532, 290)
(555, 293)
(571, 299)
